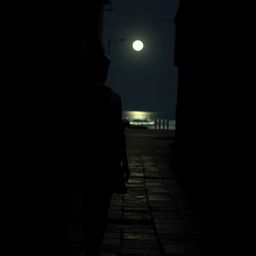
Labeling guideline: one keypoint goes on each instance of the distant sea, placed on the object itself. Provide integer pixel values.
(149, 119)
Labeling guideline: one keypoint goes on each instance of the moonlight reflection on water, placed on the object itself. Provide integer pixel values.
(148, 119)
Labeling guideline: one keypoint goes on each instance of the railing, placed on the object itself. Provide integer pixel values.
(163, 124)
(158, 124)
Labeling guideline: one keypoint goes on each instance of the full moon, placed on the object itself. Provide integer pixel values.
(137, 45)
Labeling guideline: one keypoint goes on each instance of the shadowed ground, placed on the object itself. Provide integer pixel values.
(155, 217)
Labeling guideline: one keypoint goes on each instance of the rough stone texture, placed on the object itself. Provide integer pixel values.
(154, 217)
(157, 219)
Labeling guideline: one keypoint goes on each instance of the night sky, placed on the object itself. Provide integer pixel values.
(146, 80)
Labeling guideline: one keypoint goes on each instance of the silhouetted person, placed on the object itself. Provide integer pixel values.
(107, 167)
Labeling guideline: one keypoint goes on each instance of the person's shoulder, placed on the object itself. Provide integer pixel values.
(114, 94)
(116, 97)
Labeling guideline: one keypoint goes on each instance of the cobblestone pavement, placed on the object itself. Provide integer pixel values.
(154, 217)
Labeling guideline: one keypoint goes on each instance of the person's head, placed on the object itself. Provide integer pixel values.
(102, 70)
(97, 63)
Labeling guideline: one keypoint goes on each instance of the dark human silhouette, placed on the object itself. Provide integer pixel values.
(108, 166)
(56, 143)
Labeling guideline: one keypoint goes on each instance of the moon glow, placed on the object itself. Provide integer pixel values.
(137, 45)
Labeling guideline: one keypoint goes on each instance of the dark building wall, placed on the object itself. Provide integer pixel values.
(199, 58)
(209, 63)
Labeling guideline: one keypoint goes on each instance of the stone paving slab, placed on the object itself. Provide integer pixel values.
(154, 218)
(180, 249)
(139, 252)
